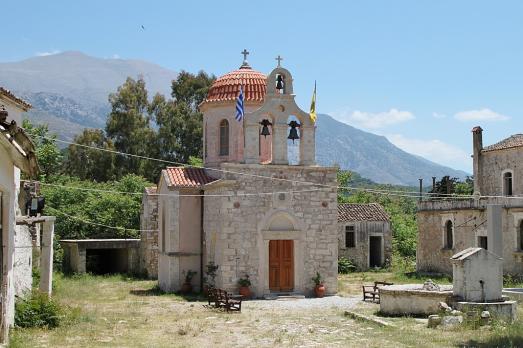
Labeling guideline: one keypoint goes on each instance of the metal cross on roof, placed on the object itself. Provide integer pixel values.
(279, 59)
(245, 54)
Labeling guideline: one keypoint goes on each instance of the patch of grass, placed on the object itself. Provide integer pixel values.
(38, 310)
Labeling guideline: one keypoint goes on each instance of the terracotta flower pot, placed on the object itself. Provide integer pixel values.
(245, 291)
(319, 290)
(186, 288)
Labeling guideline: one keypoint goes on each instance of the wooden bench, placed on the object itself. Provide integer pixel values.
(222, 299)
(372, 292)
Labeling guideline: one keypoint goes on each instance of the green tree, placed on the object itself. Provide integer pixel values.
(47, 152)
(90, 164)
(128, 126)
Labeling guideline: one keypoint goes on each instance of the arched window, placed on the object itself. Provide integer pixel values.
(449, 238)
(224, 138)
(520, 232)
(507, 184)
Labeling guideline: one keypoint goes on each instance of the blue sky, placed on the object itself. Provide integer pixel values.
(421, 73)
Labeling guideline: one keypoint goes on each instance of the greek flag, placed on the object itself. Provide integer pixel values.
(239, 106)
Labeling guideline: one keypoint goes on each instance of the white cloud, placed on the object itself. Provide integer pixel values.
(480, 115)
(116, 56)
(434, 150)
(50, 53)
(438, 115)
(371, 120)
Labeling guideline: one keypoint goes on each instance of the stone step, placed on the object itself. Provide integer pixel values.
(284, 296)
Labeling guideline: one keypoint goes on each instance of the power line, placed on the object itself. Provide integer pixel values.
(412, 194)
(180, 195)
(98, 224)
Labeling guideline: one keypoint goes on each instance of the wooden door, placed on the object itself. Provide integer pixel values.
(281, 265)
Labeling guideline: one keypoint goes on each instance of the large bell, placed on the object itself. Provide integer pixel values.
(265, 129)
(279, 82)
(293, 133)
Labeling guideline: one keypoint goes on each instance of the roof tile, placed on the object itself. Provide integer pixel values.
(184, 177)
(349, 212)
(515, 140)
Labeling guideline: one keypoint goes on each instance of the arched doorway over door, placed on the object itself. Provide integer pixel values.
(281, 258)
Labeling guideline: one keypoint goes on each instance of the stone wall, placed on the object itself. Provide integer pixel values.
(149, 234)
(238, 229)
(469, 223)
(359, 255)
(494, 164)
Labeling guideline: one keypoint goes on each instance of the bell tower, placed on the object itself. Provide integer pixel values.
(279, 114)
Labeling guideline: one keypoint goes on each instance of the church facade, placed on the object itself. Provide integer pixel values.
(262, 208)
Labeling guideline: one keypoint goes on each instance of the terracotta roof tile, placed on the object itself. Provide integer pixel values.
(349, 212)
(187, 177)
(5, 92)
(227, 87)
(515, 140)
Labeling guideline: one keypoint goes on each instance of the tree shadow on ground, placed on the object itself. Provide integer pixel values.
(509, 341)
(156, 291)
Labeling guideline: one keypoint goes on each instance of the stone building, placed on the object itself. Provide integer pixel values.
(449, 226)
(16, 155)
(149, 233)
(364, 235)
(248, 212)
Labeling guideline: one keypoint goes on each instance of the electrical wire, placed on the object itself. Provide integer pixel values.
(98, 224)
(412, 194)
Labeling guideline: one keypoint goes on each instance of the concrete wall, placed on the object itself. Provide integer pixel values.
(469, 222)
(23, 261)
(238, 229)
(363, 230)
(478, 278)
(180, 238)
(149, 236)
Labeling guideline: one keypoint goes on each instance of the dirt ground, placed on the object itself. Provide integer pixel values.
(118, 312)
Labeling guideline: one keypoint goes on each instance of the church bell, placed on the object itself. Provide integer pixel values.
(293, 133)
(279, 82)
(265, 130)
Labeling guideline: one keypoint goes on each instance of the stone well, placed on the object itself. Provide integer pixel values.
(412, 299)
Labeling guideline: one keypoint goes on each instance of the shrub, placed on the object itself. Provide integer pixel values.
(345, 265)
(37, 310)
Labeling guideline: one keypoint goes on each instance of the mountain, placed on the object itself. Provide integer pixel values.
(69, 92)
(373, 156)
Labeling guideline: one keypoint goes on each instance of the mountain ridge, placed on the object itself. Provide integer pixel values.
(69, 91)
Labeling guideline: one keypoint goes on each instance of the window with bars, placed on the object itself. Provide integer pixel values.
(350, 240)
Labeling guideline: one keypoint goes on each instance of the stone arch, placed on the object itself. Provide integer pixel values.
(286, 78)
(280, 224)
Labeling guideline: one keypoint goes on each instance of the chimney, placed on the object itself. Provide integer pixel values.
(477, 144)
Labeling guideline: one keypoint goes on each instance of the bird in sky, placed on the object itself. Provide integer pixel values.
(143, 28)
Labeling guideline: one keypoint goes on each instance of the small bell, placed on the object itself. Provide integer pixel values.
(279, 82)
(293, 133)
(265, 130)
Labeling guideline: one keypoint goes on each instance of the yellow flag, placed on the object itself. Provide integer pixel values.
(312, 113)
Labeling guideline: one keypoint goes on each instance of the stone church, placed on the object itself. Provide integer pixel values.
(447, 227)
(250, 211)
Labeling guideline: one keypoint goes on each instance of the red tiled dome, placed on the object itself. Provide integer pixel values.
(227, 87)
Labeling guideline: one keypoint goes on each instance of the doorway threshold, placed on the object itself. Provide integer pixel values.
(284, 296)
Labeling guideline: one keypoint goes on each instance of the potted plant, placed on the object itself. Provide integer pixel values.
(244, 284)
(319, 288)
(187, 285)
(210, 277)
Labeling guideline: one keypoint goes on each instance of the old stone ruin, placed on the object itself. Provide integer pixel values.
(475, 295)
